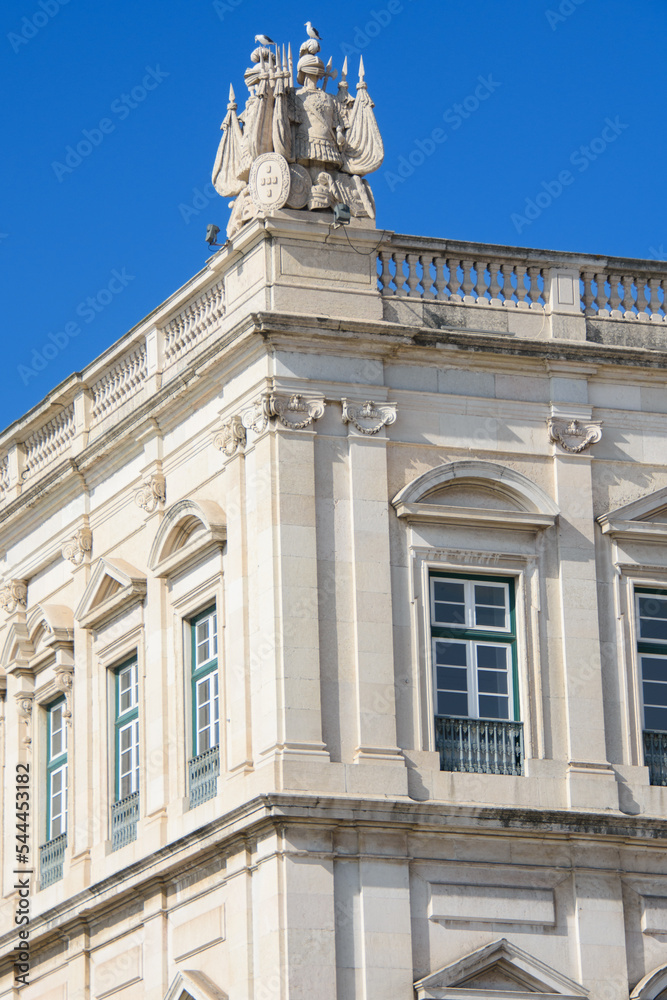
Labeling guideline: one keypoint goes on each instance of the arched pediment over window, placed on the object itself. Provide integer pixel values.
(652, 987)
(476, 494)
(191, 984)
(188, 531)
(46, 627)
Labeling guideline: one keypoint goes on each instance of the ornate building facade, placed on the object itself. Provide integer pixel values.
(334, 639)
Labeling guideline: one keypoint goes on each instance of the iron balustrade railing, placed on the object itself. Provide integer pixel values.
(124, 819)
(51, 857)
(655, 757)
(484, 747)
(204, 771)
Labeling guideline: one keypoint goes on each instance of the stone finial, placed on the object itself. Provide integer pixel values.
(14, 595)
(368, 417)
(152, 493)
(573, 436)
(76, 548)
(231, 437)
(295, 411)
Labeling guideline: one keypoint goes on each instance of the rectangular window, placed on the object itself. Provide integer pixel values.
(473, 637)
(474, 647)
(651, 616)
(204, 765)
(56, 770)
(127, 730)
(205, 696)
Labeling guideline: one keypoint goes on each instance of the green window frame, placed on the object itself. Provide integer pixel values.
(205, 696)
(126, 737)
(651, 619)
(474, 646)
(56, 769)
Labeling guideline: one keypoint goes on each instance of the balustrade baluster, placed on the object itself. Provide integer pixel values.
(454, 284)
(662, 303)
(649, 294)
(494, 283)
(440, 281)
(428, 281)
(534, 290)
(385, 276)
(401, 260)
(414, 260)
(507, 271)
(614, 297)
(467, 283)
(601, 294)
(589, 297)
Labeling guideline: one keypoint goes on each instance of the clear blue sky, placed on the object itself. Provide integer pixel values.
(535, 82)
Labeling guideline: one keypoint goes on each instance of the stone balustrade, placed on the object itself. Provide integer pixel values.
(483, 275)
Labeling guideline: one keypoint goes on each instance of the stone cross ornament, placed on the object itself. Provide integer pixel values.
(297, 146)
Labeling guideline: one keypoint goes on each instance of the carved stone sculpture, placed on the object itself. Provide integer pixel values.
(368, 417)
(297, 146)
(294, 411)
(76, 548)
(151, 494)
(231, 437)
(573, 436)
(24, 701)
(14, 595)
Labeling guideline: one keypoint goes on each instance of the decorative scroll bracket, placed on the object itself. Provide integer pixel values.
(14, 596)
(152, 493)
(231, 437)
(24, 701)
(63, 679)
(78, 547)
(368, 417)
(574, 436)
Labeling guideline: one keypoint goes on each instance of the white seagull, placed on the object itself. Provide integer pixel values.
(264, 40)
(312, 32)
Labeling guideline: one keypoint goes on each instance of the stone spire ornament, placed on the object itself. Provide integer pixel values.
(297, 146)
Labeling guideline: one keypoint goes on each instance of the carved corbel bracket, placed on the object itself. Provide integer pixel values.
(231, 437)
(256, 417)
(77, 548)
(63, 681)
(294, 411)
(152, 493)
(368, 417)
(573, 436)
(24, 701)
(14, 596)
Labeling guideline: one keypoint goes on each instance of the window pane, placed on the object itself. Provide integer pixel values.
(490, 594)
(450, 653)
(654, 668)
(452, 679)
(655, 718)
(653, 628)
(58, 733)
(490, 618)
(452, 704)
(655, 694)
(653, 606)
(449, 603)
(128, 679)
(493, 707)
(493, 682)
(492, 657)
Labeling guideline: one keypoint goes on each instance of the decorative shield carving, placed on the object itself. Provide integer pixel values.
(368, 417)
(572, 435)
(270, 181)
(300, 186)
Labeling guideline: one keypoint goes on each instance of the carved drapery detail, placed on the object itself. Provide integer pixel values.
(14, 595)
(76, 548)
(24, 701)
(368, 417)
(152, 493)
(231, 436)
(574, 436)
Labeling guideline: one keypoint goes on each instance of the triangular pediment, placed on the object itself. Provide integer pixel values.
(114, 585)
(498, 968)
(645, 518)
(190, 984)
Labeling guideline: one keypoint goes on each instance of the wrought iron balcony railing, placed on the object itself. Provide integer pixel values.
(124, 819)
(51, 857)
(485, 747)
(655, 757)
(204, 771)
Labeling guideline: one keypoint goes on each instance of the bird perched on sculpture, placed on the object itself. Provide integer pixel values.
(312, 32)
(264, 40)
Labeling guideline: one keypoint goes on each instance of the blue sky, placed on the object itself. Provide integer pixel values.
(483, 107)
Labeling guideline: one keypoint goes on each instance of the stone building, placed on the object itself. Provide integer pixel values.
(334, 641)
